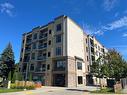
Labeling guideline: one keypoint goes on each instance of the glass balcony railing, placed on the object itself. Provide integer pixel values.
(42, 58)
(43, 36)
(42, 46)
(28, 41)
(27, 50)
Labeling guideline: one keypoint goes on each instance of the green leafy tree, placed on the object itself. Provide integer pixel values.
(7, 58)
(116, 65)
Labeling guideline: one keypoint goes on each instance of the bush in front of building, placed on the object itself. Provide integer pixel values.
(23, 85)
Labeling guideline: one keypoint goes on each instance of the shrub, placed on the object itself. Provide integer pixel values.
(29, 87)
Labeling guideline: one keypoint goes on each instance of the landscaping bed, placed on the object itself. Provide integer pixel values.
(5, 90)
(104, 91)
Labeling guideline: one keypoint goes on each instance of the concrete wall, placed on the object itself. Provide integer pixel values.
(74, 40)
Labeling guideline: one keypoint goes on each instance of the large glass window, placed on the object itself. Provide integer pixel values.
(80, 80)
(59, 65)
(32, 67)
(58, 27)
(34, 46)
(33, 56)
(40, 67)
(58, 51)
(35, 36)
(79, 65)
(58, 38)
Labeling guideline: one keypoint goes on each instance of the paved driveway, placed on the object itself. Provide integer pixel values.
(56, 91)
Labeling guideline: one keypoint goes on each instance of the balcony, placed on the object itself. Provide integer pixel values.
(26, 59)
(59, 69)
(42, 46)
(41, 58)
(28, 41)
(27, 50)
(43, 36)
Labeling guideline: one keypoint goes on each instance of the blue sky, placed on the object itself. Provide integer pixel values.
(106, 19)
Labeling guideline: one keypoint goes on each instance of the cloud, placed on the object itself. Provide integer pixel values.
(122, 22)
(118, 24)
(109, 4)
(124, 35)
(7, 8)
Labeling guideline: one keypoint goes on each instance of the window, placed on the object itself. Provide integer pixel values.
(43, 67)
(58, 27)
(79, 65)
(58, 51)
(93, 58)
(32, 67)
(40, 67)
(49, 42)
(35, 36)
(50, 31)
(48, 67)
(58, 38)
(49, 54)
(87, 58)
(33, 56)
(60, 65)
(86, 41)
(80, 81)
(86, 49)
(34, 46)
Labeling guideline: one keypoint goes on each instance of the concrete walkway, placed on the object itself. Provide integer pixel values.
(124, 91)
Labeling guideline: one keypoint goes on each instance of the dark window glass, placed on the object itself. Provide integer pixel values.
(32, 67)
(86, 49)
(50, 31)
(59, 65)
(34, 46)
(87, 58)
(49, 54)
(35, 36)
(80, 80)
(58, 51)
(79, 65)
(86, 41)
(33, 56)
(58, 38)
(49, 42)
(48, 67)
(58, 27)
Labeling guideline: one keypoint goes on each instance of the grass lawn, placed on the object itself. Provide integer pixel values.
(5, 90)
(104, 90)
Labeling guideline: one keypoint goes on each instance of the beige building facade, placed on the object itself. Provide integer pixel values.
(56, 54)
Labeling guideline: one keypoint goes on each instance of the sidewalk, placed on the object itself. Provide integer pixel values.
(124, 91)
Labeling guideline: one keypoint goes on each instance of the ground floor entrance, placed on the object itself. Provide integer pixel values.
(89, 80)
(58, 79)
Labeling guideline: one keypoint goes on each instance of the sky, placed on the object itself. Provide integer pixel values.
(105, 19)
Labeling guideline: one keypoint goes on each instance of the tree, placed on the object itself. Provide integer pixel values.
(7, 61)
(116, 65)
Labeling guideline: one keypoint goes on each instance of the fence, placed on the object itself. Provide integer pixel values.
(124, 82)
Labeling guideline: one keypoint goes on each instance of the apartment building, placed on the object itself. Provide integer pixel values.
(96, 50)
(57, 54)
